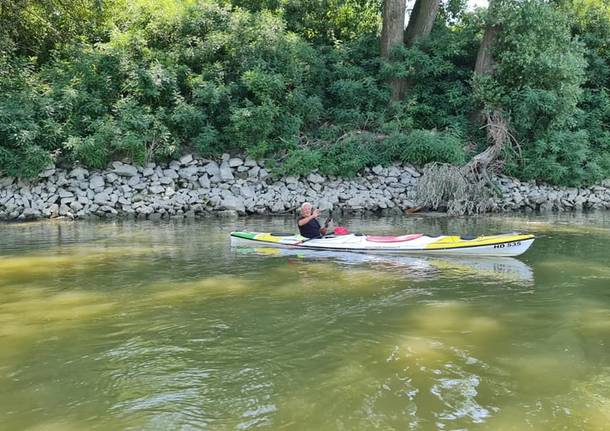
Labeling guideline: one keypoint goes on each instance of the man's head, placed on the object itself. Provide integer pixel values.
(306, 209)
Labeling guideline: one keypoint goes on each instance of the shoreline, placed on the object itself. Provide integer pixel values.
(234, 186)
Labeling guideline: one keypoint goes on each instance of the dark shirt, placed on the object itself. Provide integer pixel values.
(311, 229)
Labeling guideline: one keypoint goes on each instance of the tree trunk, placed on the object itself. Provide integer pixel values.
(393, 25)
(421, 20)
(392, 33)
(485, 64)
(420, 25)
(498, 135)
(496, 123)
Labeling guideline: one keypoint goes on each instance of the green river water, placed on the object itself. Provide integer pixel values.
(162, 326)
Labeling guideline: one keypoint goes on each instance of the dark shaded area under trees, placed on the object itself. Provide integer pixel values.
(334, 85)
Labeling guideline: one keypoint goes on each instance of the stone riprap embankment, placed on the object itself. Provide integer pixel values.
(192, 187)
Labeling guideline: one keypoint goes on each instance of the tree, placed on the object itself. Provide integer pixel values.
(467, 189)
(392, 34)
(36, 27)
(496, 123)
(421, 20)
(485, 59)
(420, 25)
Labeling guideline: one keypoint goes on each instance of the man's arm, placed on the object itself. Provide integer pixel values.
(306, 220)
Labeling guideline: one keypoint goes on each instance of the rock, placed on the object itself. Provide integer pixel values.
(592, 199)
(188, 172)
(31, 213)
(112, 177)
(291, 180)
(6, 181)
(315, 178)
(250, 162)
(377, 170)
(67, 201)
(212, 169)
(407, 179)
(412, 171)
(233, 203)
(170, 173)
(135, 180)
(156, 189)
(108, 209)
(124, 170)
(253, 173)
(247, 192)
(185, 160)
(235, 162)
(47, 173)
(227, 213)
(64, 210)
(546, 207)
(101, 198)
(225, 157)
(78, 173)
(355, 203)
(324, 204)
(53, 210)
(65, 193)
(393, 171)
(96, 181)
(147, 172)
(204, 181)
(140, 186)
(144, 209)
(225, 173)
(571, 193)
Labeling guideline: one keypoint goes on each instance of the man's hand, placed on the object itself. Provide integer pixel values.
(316, 213)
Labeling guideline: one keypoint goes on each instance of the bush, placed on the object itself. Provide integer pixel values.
(424, 146)
(300, 83)
(349, 156)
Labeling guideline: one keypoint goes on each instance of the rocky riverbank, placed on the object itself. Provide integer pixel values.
(192, 187)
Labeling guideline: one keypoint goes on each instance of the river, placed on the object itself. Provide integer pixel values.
(159, 326)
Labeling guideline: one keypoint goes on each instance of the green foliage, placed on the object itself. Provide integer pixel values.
(539, 80)
(350, 155)
(438, 70)
(421, 147)
(323, 21)
(36, 27)
(25, 146)
(301, 83)
(560, 157)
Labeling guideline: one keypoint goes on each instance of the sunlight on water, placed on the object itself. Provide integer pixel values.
(198, 289)
(164, 326)
(32, 308)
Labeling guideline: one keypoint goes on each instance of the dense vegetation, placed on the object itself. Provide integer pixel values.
(302, 83)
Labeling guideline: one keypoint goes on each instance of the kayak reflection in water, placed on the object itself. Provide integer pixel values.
(309, 226)
(420, 267)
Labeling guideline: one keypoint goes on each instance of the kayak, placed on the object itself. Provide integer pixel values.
(512, 244)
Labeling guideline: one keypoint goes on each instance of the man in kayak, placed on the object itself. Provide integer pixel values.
(309, 226)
